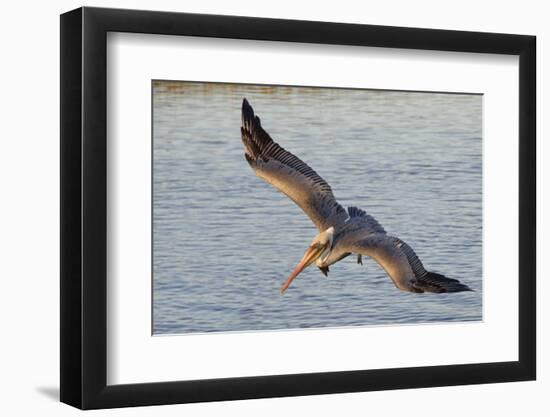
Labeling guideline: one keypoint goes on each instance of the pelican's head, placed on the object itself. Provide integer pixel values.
(319, 249)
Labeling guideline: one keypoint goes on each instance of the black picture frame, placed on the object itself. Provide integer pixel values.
(84, 207)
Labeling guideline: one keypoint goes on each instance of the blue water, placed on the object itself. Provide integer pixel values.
(224, 240)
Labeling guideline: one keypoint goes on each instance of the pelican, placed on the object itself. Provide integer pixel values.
(341, 232)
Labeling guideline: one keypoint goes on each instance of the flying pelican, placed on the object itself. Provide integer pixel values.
(341, 232)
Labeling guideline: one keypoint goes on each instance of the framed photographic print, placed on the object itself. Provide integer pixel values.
(258, 207)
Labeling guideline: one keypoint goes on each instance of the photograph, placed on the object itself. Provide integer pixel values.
(296, 207)
(305, 208)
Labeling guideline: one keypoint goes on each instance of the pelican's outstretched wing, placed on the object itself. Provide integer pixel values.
(289, 174)
(401, 263)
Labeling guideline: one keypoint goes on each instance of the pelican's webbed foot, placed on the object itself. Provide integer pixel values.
(360, 259)
(324, 270)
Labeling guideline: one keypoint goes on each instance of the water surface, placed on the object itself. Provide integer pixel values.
(224, 241)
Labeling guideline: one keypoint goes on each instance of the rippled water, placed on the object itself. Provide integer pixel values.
(224, 240)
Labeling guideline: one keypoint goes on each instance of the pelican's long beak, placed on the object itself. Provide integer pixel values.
(312, 253)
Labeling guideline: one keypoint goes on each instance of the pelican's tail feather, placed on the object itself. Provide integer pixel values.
(434, 282)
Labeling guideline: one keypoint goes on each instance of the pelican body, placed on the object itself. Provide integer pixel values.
(341, 232)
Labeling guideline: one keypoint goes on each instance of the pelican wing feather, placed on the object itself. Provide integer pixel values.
(401, 263)
(289, 174)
